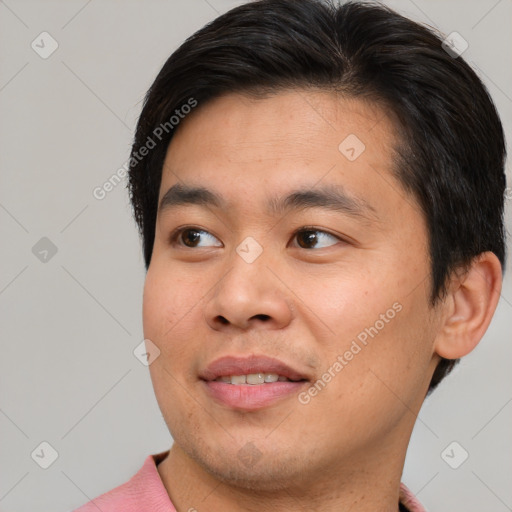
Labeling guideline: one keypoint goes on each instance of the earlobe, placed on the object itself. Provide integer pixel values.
(471, 301)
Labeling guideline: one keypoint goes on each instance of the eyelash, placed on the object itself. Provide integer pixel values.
(173, 239)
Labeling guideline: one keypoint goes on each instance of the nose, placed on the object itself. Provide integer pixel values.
(248, 296)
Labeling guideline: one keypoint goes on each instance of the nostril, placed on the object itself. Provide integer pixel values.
(224, 321)
(262, 317)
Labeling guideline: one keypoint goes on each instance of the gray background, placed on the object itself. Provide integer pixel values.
(68, 375)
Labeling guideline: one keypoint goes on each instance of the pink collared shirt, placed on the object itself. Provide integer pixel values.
(145, 491)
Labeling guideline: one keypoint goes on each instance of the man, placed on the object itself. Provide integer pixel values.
(319, 190)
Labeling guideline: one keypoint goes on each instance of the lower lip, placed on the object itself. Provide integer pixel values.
(251, 397)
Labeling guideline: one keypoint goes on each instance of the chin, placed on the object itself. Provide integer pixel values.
(263, 479)
(252, 469)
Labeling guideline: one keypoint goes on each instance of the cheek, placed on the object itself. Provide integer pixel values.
(398, 346)
(378, 317)
(168, 313)
(157, 304)
(169, 306)
(346, 301)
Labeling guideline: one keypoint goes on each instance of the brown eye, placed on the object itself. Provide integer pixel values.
(310, 238)
(192, 237)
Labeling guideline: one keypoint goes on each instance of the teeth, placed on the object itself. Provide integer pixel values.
(252, 378)
(238, 379)
(255, 378)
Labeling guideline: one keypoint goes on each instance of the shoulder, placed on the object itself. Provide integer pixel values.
(409, 502)
(144, 490)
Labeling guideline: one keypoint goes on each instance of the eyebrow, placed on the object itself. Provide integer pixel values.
(329, 197)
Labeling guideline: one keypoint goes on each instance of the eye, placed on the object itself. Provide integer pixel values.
(309, 236)
(190, 237)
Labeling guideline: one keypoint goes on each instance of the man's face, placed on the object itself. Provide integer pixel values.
(337, 293)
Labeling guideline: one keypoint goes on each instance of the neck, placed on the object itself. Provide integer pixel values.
(366, 483)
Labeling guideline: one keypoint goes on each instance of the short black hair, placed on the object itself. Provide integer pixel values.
(450, 152)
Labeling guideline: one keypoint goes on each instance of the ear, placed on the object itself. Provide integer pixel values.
(469, 306)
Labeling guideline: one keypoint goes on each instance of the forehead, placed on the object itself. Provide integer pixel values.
(297, 138)
(306, 120)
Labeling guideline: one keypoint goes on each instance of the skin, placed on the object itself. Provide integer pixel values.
(345, 448)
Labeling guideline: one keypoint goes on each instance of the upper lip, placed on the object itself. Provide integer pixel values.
(233, 365)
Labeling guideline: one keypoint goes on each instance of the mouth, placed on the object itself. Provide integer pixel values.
(251, 383)
(255, 379)
(252, 370)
